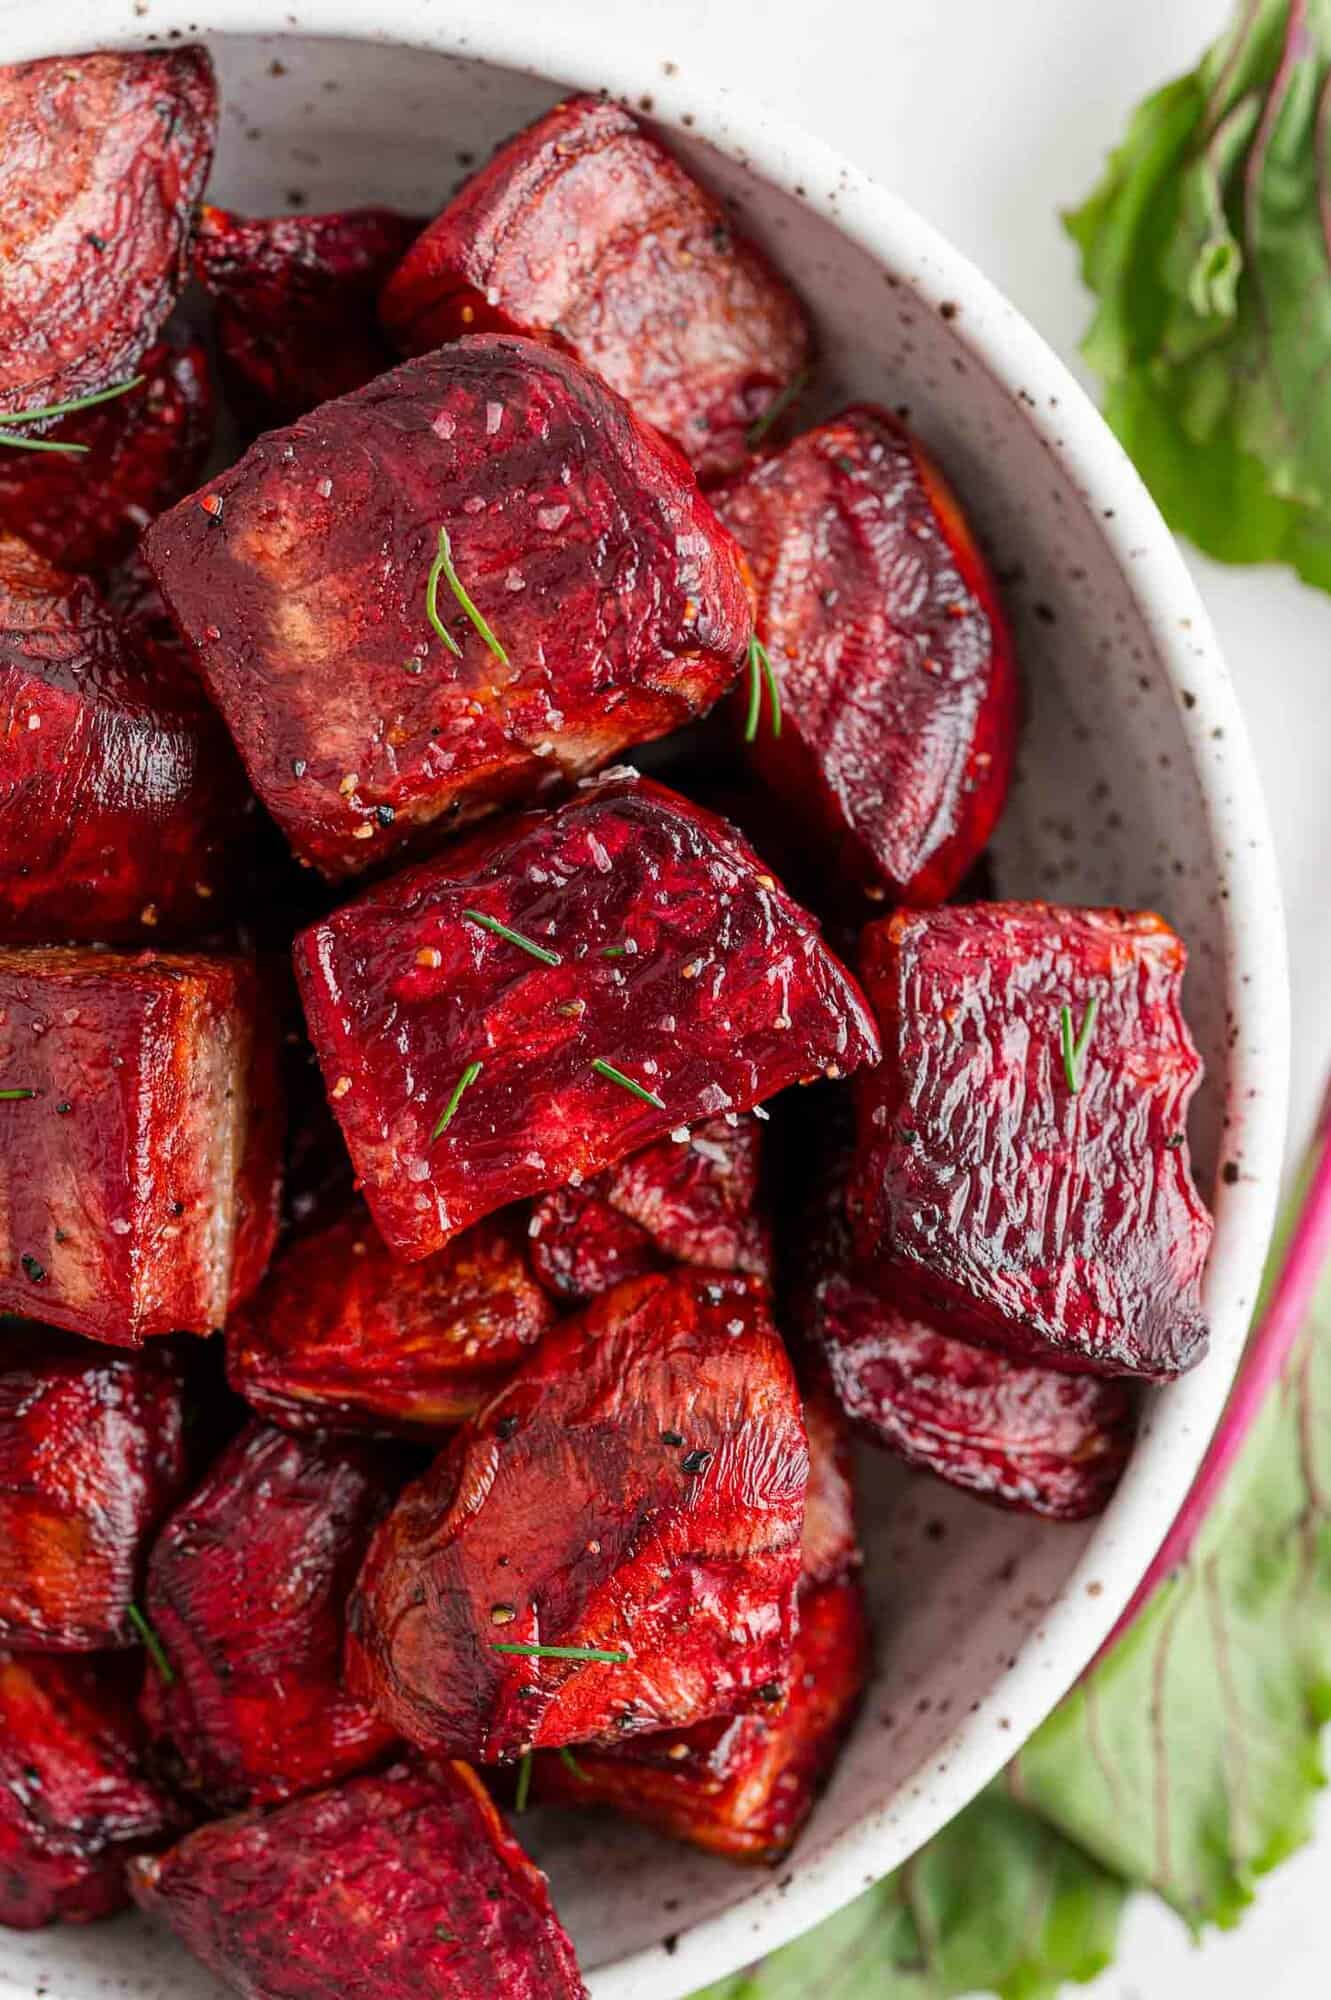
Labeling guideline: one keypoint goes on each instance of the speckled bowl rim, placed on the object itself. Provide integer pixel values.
(1250, 917)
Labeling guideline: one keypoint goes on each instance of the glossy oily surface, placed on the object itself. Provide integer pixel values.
(682, 965)
(897, 679)
(406, 1884)
(616, 602)
(102, 158)
(637, 1489)
(1013, 1188)
(584, 231)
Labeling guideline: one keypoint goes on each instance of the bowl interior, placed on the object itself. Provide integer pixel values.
(982, 1618)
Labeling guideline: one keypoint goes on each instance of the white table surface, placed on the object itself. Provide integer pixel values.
(988, 117)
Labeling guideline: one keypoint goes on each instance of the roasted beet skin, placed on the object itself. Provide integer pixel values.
(91, 1457)
(120, 796)
(74, 1797)
(86, 511)
(140, 1193)
(585, 232)
(638, 1487)
(691, 1200)
(301, 578)
(102, 159)
(682, 964)
(405, 1884)
(888, 644)
(294, 301)
(996, 1201)
(342, 1337)
(247, 1583)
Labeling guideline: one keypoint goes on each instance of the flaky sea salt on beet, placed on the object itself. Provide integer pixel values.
(547, 998)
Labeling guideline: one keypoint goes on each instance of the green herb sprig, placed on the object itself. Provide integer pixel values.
(10, 421)
(558, 1652)
(513, 937)
(573, 1767)
(442, 566)
(523, 1793)
(760, 671)
(614, 1075)
(1074, 1052)
(464, 1082)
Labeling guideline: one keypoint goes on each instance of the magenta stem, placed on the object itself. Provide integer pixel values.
(1264, 1361)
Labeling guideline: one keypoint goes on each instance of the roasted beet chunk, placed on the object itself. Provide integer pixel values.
(246, 1588)
(1022, 1174)
(585, 232)
(467, 1069)
(294, 297)
(102, 159)
(685, 1200)
(138, 1185)
(85, 510)
(616, 605)
(635, 1493)
(91, 1457)
(343, 1337)
(121, 801)
(898, 698)
(404, 1884)
(74, 1799)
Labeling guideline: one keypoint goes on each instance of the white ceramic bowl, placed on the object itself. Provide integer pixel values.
(1135, 787)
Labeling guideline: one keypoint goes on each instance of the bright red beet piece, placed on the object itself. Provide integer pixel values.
(638, 1489)
(888, 644)
(689, 1200)
(341, 1336)
(246, 1588)
(139, 1193)
(86, 510)
(102, 159)
(91, 1457)
(74, 1797)
(619, 602)
(294, 300)
(997, 1200)
(682, 965)
(120, 797)
(585, 232)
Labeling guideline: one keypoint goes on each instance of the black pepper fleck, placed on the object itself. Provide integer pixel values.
(696, 1461)
(32, 1269)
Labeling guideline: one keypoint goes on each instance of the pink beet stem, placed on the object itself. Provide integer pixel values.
(1263, 1364)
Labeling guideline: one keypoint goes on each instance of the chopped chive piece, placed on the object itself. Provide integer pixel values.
(11, 1096)
(523, 1792)
(778, 406)
(467, 1078)
(156, 1651)
(571, 1764)
(1074, 1052)
(760, 670)
(443, 566)
(617, 1076)
(513, 937)
(557, 1652)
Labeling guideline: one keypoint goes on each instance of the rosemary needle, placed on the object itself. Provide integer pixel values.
(617, 1076)
(464, 1082)
(760, 670)
(513, 937)
(1074, 1052)
(443, 566)
(13, 420)
(557, 1652)
(155, 1649)
(778, 406)
(12, 1096)
(523, 1792)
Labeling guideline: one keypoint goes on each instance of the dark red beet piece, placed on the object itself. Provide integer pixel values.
(102, 159)
(140, 1191)
(690, 1200)
(121, 800)
(637, 1488)
(682, 965)
(91, 1457)
(294, 301)
(342, 1337)
(86, 511)
(897, 681)
(301, 578)
(998, 1202)
(407, 1885)
(74, 1798)
(246, 1588)
(585, 232)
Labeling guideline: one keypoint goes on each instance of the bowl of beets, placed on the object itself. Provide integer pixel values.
(618, 1232)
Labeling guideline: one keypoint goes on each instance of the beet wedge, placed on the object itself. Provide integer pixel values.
(467, 1070)
(585, 232)
(102, 160)
(1022, 1174)
(324, 583)
(407, 1885)
(634, 1496)
(897, 719)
